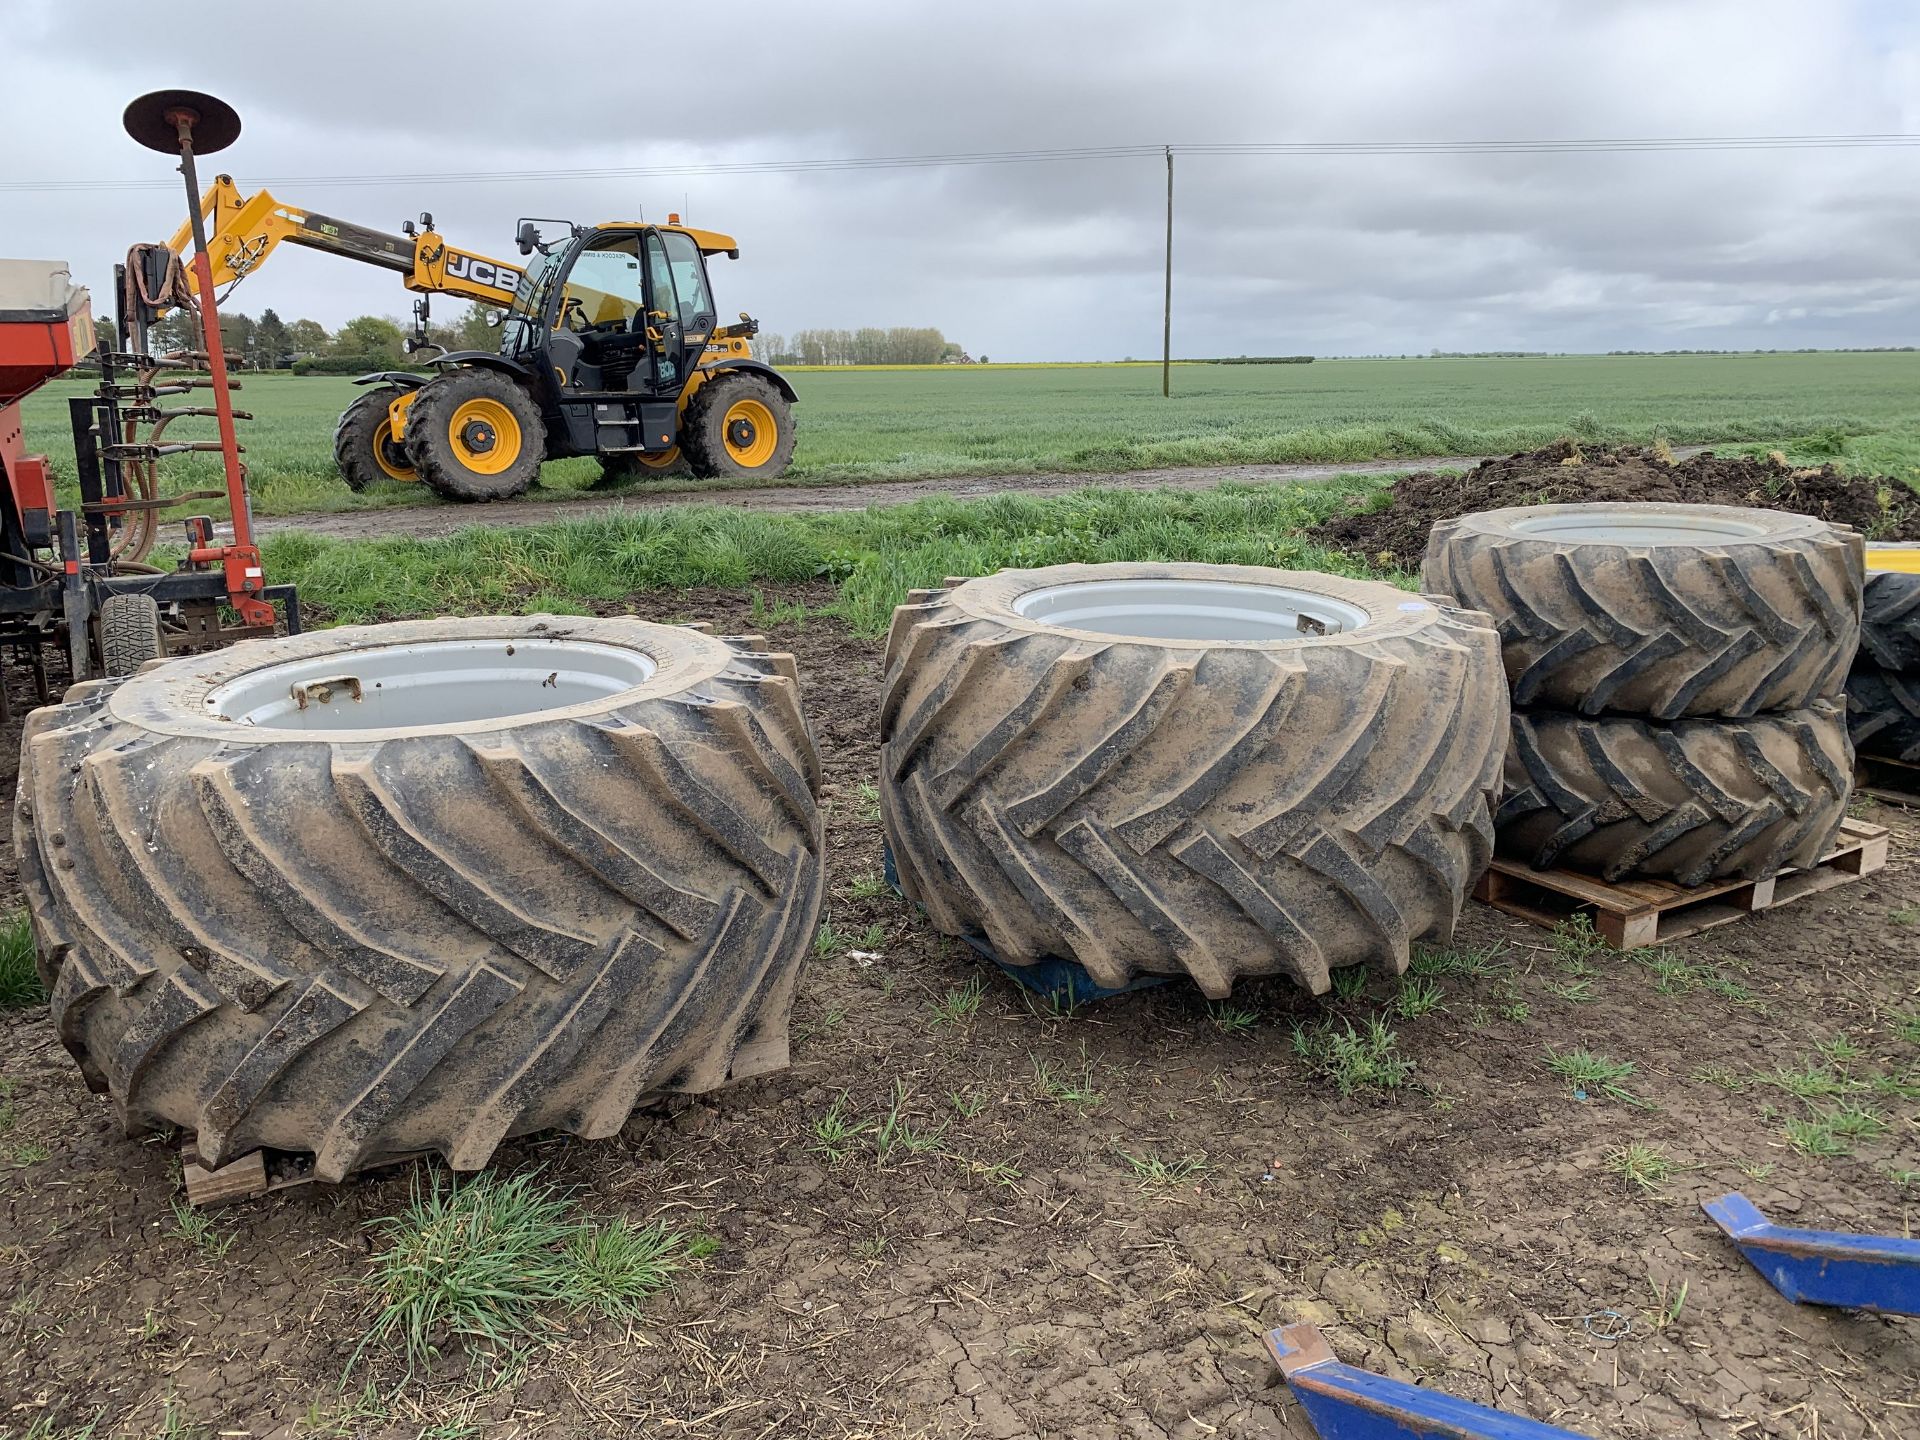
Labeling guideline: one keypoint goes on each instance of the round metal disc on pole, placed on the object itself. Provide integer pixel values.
(151, 121)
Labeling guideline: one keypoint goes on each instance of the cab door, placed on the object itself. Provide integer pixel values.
(680, 304)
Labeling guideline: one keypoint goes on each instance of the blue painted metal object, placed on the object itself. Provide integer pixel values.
(1824, 1267)
(1345, 1403)
(1062, 983)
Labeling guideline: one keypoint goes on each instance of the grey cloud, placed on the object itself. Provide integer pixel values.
(1351, 254)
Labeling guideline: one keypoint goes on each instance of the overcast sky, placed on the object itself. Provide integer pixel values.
(1349, 255)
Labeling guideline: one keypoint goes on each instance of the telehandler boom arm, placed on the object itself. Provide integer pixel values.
(242, 231)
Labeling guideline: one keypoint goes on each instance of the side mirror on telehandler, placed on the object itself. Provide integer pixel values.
(528, 237)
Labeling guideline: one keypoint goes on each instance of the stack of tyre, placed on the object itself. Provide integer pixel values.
(1677, 679)
(1883, 693)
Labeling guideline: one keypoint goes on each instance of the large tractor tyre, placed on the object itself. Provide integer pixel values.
(363, 443)
(1890, 624)
(1883, 712)
(423, 886)
(628, 469)
(1690, 801)
(1658, 610)
(1221, 771)
(475, 435)
(129, 633)
(738, 426)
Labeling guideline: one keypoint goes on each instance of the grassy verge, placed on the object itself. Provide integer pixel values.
(875, 555)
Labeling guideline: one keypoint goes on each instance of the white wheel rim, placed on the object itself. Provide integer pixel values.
(1222, 610)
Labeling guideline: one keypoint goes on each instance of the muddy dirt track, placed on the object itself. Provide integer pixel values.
(443, 519)
(1022, 1282)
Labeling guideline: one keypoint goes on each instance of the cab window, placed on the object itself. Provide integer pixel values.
(603, 288)
(689, 280)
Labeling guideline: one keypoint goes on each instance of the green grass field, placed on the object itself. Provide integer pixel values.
(876, 555)
(862, 425)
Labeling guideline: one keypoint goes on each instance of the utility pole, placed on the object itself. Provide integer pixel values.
(1166, 310)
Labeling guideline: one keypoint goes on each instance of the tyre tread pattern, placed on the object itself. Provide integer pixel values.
(353, 436)
(1890, 624)
(572, 914)
(703, 437)
(428, 447)
(1217, 811)
(1883, 712)
(1732, 629)
(1692, 801)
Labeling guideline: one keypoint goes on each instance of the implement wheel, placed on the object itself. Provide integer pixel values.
(475, 435)
(738, 426)
(129, 633)
(363, 443)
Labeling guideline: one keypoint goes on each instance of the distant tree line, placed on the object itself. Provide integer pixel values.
(306, 347)
(900, 345)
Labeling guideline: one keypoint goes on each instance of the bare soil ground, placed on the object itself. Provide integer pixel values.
(1021, 1280)
(1564, 474)
(428, 520)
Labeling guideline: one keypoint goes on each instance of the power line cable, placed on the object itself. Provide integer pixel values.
(1057, 155)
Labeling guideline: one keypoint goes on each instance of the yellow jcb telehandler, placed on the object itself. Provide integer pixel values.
(609, 347)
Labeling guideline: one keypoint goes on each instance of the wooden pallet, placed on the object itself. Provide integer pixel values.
(1630, 914)
(1895, 781)
(258, 1173)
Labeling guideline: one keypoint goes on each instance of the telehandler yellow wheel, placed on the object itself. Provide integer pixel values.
(475, 435)
(363, 443)
(737, 425)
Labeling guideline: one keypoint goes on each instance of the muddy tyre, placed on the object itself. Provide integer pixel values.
(1658, 610)
(129, 633)
(1690, 801)
(1890, 624)
(1156, 769)
(738, 425)
(1883, 713)
(422, 886)
(475, 435)
(363, 443)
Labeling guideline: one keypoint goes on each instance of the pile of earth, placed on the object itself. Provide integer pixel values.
(1563, 474)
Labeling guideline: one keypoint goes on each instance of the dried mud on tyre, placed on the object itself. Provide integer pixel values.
(1692, 801)
(422, 886)
(1658, 610)
(1238, 798)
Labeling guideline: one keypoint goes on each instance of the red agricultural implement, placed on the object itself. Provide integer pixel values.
(79, 578)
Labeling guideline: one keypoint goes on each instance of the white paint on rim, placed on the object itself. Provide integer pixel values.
(1189, 610)
(1636, 525)
(434, 682)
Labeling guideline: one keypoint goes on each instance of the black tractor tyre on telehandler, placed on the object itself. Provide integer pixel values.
(353, 931)
(475, 434)
(737, 425)
(1658, 610)
(363, 443)
(1691, 801)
